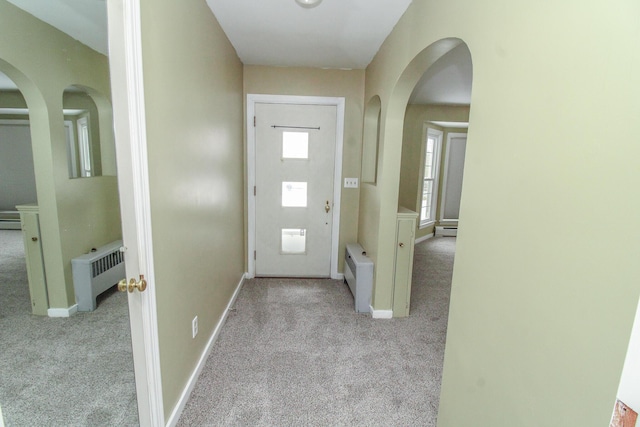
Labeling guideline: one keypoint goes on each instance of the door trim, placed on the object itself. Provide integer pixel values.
(125, 63)
(252, 100)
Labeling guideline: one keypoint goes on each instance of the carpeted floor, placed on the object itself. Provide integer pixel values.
(295, 353)
(76, 371)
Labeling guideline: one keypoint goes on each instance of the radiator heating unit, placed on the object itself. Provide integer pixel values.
(358, 273)
(95, 272)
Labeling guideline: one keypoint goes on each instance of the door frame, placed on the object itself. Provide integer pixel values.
(252, 100)
(127, 87)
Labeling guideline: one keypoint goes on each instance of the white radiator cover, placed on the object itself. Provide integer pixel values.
(358, 273)
(96, 272)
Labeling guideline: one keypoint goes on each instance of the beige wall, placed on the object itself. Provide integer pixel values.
(331, 83)
(75, 215)
(416, 117)
(193, 96)
(541, 308)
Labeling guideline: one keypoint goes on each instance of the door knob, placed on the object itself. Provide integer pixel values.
(141, 285)
(401, 245)
(327, 208)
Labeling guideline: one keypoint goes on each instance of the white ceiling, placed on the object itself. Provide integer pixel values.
(343, 34)
(335, 34)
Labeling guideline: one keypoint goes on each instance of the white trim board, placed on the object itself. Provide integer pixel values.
(63, 312)
(252, 100)
(184, 397)
(381, 314)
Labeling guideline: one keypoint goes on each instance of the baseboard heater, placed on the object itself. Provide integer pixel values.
(10, 220)
(446, 231)
(96, 272)
(358, 273)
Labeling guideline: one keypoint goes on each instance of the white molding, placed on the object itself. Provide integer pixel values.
(191, 383)
(252, 100)
(381, 314)
(423, 238)
(339, 276)
(125, 58)
(63, 312)
(438, 134)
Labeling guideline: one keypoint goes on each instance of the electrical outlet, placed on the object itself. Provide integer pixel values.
(194, 327)
(351, 183)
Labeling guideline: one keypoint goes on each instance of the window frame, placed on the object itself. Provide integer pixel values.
(437, 135)
(84, 147)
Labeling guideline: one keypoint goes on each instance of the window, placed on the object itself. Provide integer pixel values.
(295, 145)
(431, 167)
(84, 145)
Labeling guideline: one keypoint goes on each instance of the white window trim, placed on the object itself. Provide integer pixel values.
(84, 147)
(437, 134)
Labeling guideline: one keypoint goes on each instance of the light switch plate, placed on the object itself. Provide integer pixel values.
(351, 183)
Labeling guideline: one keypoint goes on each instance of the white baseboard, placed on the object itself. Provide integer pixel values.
(339, 276)
(184, 397)
(423, 238)
(381, 314)
(63, 312)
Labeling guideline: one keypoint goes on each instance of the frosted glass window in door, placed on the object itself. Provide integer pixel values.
(294, 194)
(295, 145)
(294, 241)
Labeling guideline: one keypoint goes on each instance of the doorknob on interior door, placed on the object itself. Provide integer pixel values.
(327, 208)
(141, 285)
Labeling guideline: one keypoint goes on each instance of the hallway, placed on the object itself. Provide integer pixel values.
(295, 352)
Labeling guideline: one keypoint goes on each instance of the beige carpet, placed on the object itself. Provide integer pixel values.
(61, 372)
(294, 352)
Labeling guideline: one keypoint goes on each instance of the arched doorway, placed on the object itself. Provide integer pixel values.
(71, 358)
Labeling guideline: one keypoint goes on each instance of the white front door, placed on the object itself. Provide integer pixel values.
(295, 165)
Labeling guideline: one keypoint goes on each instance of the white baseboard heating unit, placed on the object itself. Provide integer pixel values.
(358, 273)
(95, 272)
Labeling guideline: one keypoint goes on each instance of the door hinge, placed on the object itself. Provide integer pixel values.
(254, 121)
(254, 255)
(254, 190)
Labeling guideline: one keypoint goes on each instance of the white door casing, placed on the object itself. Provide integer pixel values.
(294, 189)
(125, 63)
(333, 218)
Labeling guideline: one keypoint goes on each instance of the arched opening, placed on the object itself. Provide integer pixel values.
(89, 133)
(415, 125)
(385, 215)
(19, 192)
(47, 347)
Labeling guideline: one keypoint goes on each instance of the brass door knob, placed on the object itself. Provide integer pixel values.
(401, 245)
(141, 285)
(327, 208)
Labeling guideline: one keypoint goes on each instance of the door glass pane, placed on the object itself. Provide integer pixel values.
(295, 145)
(294, 194)
(294, 241)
